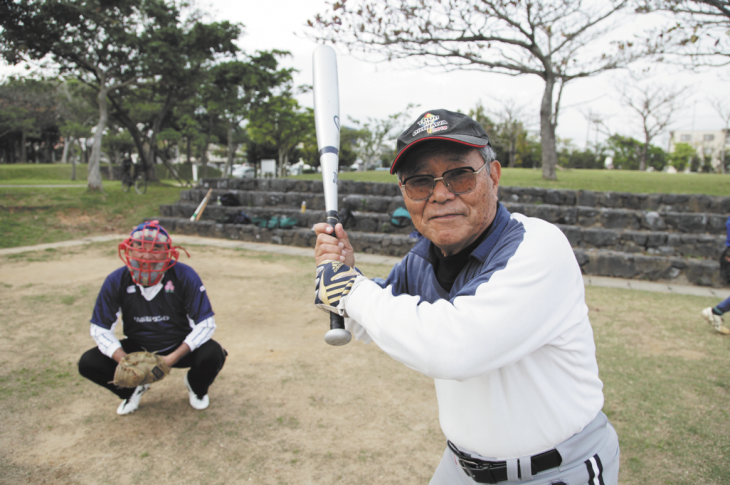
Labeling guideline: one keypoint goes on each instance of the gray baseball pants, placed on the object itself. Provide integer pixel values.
(589, 457)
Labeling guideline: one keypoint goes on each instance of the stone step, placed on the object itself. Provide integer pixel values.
(363, 242)
(359, 221)
(650, 243)
(596, 262)
(608, 218)
(260, 198)
(524, 195)
(625, 219)
(660, 243)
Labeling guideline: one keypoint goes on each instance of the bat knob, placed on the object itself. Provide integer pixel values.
(337, 336)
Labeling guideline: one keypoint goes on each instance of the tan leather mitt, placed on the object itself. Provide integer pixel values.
(140, 368)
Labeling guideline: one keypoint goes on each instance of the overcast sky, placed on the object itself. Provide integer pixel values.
(377, 90)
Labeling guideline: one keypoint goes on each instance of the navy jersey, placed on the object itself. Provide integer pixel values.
(161, 323)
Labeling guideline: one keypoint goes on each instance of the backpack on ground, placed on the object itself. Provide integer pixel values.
(241, 218)
(401, 217)
(228, 199)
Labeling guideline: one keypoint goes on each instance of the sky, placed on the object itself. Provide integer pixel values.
(376, 90)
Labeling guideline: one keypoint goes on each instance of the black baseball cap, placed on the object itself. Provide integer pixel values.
(441, 124)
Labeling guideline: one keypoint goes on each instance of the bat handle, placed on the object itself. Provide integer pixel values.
(337, 334)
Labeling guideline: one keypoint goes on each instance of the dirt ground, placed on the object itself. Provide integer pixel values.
(286, 408)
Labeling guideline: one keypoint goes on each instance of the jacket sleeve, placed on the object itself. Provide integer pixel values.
(498, 318)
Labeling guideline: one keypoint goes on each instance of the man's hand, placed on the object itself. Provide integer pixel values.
(118, 355)
(333, 283)
(172, 358)
(331, 248)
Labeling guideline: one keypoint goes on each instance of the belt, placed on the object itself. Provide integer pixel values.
(496, 471)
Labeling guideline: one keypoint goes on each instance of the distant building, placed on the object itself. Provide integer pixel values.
(707, 143)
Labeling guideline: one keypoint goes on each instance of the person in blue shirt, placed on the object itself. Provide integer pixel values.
(164, 308)
(713, 315)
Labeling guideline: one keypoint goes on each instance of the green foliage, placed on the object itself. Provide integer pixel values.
(373, 140)
(682, 156)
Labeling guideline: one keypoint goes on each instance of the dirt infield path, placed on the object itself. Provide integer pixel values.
(286, 408)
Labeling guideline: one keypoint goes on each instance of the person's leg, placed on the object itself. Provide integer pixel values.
(205, 363)
(449, 472)
(99, 369)
(722, 307)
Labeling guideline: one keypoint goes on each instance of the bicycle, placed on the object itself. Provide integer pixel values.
(138, 180)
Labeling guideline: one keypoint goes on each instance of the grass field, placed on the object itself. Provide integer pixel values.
(288, 409)
(598, 180)
(41, 215)
(58, 173)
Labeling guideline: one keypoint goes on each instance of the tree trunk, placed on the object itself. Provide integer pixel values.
(644, 153)
(280, 168)
(67, 142)
(94, 173)
(231, 149)
(204, 153)
(23, 152)
(73, 166)
(547, 130)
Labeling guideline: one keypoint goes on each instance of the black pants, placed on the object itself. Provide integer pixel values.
(205, 363)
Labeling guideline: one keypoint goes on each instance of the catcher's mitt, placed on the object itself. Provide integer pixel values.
(140, 368)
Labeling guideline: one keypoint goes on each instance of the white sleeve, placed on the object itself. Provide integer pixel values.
(201, 333)
(105, 339)
(536, 297)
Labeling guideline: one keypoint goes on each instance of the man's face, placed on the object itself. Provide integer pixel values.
(452, 222)
(148, 253)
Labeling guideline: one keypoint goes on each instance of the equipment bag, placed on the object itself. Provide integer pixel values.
(401, 217)
(228, 199)
(259, 221)
(241, 218)
(287, 222)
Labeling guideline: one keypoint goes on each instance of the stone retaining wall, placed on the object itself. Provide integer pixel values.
(523, 195)
(600, 262)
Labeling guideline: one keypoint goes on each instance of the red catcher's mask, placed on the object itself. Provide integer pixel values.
(148, 253)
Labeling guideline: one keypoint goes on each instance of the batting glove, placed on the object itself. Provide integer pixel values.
(333, 282)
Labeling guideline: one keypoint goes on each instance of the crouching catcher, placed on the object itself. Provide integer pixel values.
(166, 318)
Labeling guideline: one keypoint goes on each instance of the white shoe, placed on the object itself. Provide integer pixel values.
(195, 401)
(715, 321)
(131, 404)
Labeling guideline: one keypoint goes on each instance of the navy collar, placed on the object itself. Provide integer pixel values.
(423, 247)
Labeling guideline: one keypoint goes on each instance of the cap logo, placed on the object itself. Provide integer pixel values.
(430, 123)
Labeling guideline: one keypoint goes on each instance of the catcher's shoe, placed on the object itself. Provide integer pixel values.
(131, 404)
(195, 401)
(715, 321)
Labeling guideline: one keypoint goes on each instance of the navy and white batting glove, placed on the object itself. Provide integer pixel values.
(333, 282)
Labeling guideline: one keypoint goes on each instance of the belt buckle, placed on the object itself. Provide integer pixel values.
(470, 466)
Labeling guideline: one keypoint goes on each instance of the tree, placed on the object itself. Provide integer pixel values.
(237, 86)
(555, 40)
(626, 151)
(282, 123)
(697, 30)
(508, 133)
(723, 110)
(179, 51)
(29, 111)
(375, 135)
(94, 40)
(655, 105)
(682, 156)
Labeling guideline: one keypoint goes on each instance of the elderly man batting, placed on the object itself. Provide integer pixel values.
(492, 306)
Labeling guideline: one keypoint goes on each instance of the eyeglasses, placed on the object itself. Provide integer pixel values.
(460, 180)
